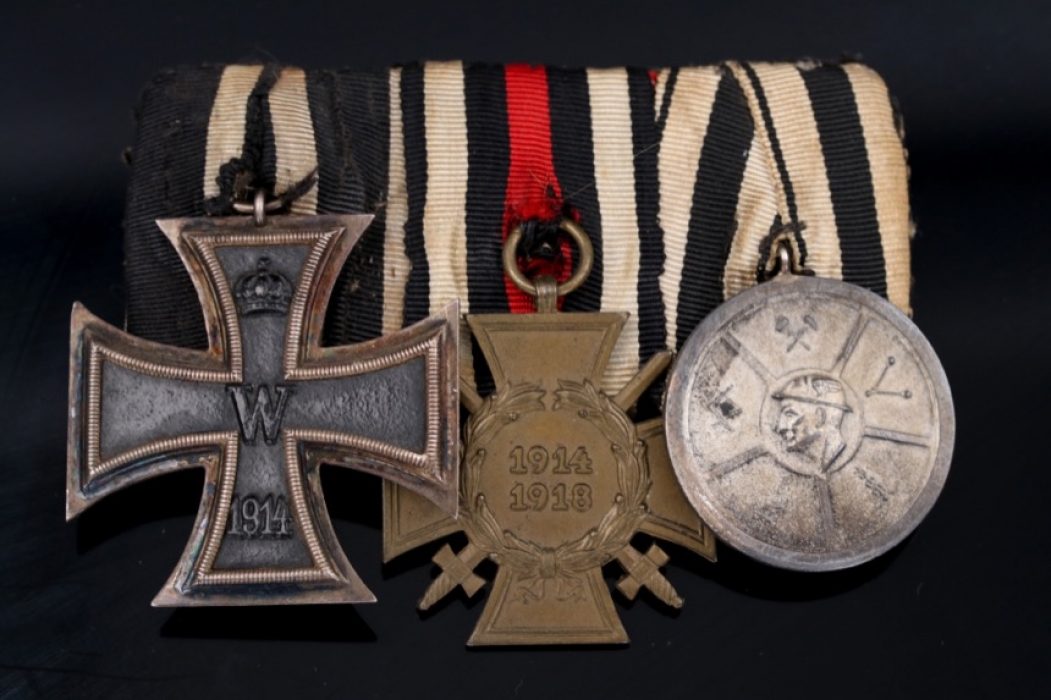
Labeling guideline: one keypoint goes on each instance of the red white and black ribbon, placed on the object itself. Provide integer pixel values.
(681, 177)
(487, 148)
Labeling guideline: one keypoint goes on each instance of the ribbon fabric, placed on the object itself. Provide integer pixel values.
(682, 177)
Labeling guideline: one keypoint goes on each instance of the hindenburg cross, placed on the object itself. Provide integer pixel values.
(261, 409)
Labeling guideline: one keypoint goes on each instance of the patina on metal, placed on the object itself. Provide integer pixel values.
(262, 408)
(556, 478)
(810, 422)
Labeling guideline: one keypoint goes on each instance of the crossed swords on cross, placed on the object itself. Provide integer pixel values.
(265, 404)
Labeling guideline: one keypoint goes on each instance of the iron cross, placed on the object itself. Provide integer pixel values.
(261, 409)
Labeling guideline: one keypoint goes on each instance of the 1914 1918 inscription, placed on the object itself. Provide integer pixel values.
(554, 491)
(557, 478)
(810, 423)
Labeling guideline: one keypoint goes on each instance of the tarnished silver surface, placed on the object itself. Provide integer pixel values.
(810, 423)
(262, 408)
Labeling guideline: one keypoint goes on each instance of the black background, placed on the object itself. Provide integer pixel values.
(958, 611)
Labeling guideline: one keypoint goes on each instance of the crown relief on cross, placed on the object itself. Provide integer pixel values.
(102, 459)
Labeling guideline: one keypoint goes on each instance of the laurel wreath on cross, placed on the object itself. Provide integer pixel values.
(599, 544)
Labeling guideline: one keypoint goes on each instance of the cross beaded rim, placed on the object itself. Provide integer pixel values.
(584, 265)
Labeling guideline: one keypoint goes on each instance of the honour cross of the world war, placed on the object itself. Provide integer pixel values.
(261, 409)
(555, 483)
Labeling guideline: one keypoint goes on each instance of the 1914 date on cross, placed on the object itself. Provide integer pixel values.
(261, 409)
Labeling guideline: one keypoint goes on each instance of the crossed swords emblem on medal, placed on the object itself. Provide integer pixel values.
(558, 478)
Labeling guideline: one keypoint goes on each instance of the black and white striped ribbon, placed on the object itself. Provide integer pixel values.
(679, 177)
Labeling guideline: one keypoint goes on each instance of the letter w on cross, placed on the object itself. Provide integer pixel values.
(387, 406)
(254, 406)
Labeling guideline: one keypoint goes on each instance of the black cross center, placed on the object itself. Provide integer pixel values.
(261, 415)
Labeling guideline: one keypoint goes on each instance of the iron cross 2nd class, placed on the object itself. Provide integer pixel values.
(556, 478)
(261, 409)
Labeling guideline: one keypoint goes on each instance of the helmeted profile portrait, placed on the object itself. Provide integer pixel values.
(810, 420)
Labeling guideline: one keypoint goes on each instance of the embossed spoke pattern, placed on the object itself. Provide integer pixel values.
(851, 344)
(897, 436)
(718, 471)
(751, 360)
(828, 517)
(828, 415)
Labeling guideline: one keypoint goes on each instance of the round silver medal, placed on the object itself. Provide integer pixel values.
(810, 423)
